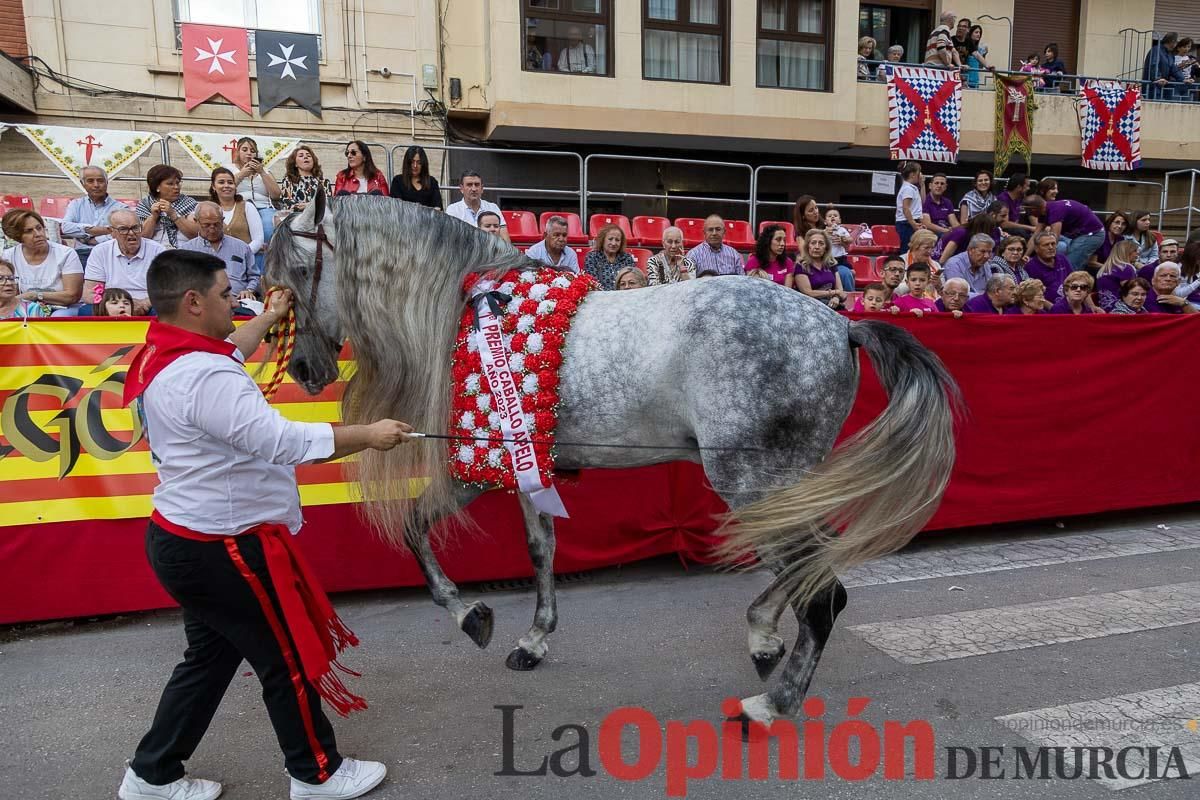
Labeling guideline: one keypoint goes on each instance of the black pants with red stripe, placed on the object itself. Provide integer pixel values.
(225, 623)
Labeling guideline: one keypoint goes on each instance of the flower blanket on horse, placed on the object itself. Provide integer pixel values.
(534, 317)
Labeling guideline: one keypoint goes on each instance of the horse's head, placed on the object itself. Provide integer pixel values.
(302, 258)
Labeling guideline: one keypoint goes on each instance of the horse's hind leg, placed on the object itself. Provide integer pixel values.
(816, 623)
(474, 619)
(762, 617)
(539, 536)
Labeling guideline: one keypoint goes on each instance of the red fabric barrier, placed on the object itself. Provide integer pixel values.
(1066, 416)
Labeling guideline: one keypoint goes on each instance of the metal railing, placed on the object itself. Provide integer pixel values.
(1191, 207)
(666, 197)
(1066, 83)
(395, 157)
(329, 173)
(1134, 46)
(865, 173)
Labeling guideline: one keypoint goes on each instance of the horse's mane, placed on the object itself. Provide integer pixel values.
(400, 270)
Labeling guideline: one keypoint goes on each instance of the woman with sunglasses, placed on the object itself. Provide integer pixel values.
(360, 176)
(1076, 289)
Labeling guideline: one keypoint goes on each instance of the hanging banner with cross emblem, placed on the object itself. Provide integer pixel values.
(1015, 105)
(72, 149)
(216, 60)
(1110, 125)
(288, 67)
(924, 111)
(212, 150)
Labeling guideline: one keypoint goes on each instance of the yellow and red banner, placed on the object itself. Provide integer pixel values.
(69, 451)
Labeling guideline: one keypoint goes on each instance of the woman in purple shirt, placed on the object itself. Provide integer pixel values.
(1117, 269)
(937, 208)
(1076, 289)
(1115, 226)
(816, 271)
(769, 255)
(1071, 220)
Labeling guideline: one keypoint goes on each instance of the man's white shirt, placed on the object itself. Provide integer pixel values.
(461, 210)
(108, 265)
(226, 460)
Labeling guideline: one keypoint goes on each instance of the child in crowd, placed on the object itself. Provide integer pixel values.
(1033, 64)
(838, 236)
(115, 303)
(874, 298)
(916, 301)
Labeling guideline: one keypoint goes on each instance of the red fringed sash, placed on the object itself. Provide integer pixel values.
(317, 630)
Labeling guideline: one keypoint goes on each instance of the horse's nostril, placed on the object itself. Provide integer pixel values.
(300, 371)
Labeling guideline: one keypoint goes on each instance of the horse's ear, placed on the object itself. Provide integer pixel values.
(319, 203)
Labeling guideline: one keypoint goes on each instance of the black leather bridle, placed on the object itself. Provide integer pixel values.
(322, 242)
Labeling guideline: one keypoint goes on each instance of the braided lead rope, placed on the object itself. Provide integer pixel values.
(285, 333)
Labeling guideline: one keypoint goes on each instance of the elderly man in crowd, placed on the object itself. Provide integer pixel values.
(578, 55)
(971, 265)
(87, 218)
(672, 264)
(552, 250)
(713, 255)
(955, 293)
(238, 258)
(997, 299)
(472, 204)
(1162, 298)
(122, 261)
(1048, 265)
(939, 50)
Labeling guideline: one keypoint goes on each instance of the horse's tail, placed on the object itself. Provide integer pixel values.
(877, 489)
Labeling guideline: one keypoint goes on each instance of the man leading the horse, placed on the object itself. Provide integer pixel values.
(220, 539)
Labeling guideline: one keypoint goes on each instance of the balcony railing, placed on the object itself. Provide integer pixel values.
(1152, 91)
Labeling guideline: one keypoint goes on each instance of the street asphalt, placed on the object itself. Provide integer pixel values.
(1046, 618)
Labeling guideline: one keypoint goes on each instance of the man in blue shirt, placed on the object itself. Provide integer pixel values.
(86, 218)
(1160, 69)
(239, 261)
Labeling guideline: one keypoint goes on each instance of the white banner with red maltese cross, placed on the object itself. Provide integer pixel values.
(924, 111)
(72, 149)
(212, 150)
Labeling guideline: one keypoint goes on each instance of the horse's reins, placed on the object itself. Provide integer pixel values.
(287, 329)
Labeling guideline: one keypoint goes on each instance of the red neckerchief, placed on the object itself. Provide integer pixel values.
(164, 344)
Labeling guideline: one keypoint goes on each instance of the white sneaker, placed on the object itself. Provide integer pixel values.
(353, 779)
(134, 788)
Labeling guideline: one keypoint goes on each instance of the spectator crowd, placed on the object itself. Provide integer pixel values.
(1020, 248)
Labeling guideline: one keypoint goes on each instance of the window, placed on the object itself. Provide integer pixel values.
(294, 16)
(685, 40)
(567, 36)
(793, 44)
(271, 15)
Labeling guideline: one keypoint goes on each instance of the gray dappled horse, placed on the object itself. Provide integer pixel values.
(751, 380)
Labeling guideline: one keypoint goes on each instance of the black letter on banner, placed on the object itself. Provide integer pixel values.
(30, 440)
(95, 438)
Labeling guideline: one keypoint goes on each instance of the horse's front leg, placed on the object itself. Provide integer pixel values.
(474, 619)
(539, 536)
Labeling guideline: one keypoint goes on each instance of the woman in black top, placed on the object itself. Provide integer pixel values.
(414, 183)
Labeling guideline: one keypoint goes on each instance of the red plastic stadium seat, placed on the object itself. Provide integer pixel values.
(738, 234)
(863, 249)
(693, 230)
(648, 231)
(886, 237)
(598, 221)
(788, 228)
(641, 254)
(522, 227)
(54, 206)
(864, 269)
(582, 253)
(129, 201)
(12, 201)
(575, 234)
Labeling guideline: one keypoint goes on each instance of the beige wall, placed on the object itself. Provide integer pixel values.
(1100, 21)
(996, 32)
(134, 50)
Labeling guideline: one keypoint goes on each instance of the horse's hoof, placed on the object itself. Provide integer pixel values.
(521, 660)
(477, 624)
(765, 662)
